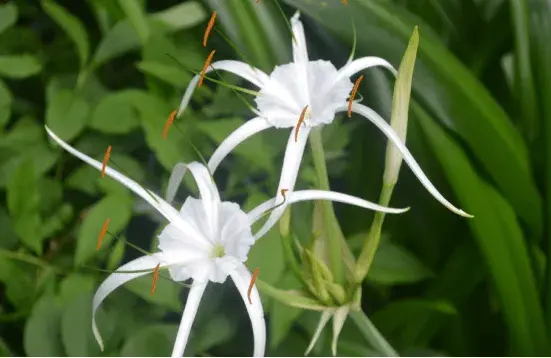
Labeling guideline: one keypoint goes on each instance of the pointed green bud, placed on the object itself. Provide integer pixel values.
(291, 298)
(400, 107)
(285, 222)
(336, 291)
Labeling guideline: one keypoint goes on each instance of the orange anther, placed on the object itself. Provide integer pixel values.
(283, 192)
(300, 120)
(155, 278)
(253, 280)
(209, 28)
(105, 160)
(207, 64)
(168, 123)
(354, 91)
(102, 233)
(344, 2)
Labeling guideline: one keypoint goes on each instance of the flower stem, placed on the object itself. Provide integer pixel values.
(371, 334)
(329, 217)
(370, 246)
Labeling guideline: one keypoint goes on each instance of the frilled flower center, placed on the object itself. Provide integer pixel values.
(294, 86)
(209, 258)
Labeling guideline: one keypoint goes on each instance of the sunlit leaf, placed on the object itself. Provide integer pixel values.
(19, 66)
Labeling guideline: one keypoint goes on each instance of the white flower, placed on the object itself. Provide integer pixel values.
(207, 240)
(286, 92)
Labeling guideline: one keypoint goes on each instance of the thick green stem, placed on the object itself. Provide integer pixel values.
(371, 334)
(370, 246)
(329, 217)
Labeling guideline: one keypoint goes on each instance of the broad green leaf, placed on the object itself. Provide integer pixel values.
(19, 66)
(151, 341)
(8, 16)
(42, 336)
(51, 194)
(67, 114)
(24, 206)
(170, 74)
(76, 327)
(72, 27)
(4, 349)
(271, 266)
(114, 115)
(118, 208)
(166, 294)
(75, 285)
(9, 237)
(5, 104)
(84, 179)
(500, 238)
(19, 281)
(395, 265)
(282, 317)
(218, 330)
(121, 38)
(181, 16)
(116, 255)
(137, 17)
(450, 92)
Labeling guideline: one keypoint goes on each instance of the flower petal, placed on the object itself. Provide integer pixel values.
(190, 310)
(300, 51)
(238, 136)
(242, 277)
(210, 197)
(363, 63)
(241, 69)
(116, 280)
(153, 199)
(325, 316)
(338, 321)
(376, 119)
(289, 172)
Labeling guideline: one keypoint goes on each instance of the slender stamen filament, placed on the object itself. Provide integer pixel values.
(300, 120)
(207, 64)
(105, 161)
(168, 124)
(155, 278)
(102, 233)
(209, 28)
(253, 280)
(354, 91)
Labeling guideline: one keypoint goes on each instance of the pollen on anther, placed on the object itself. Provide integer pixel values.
(353, 95)
(300, 120)
(345, 2)
(168, 123)
(283, 192)
(155, 278)
(207, 64)
(105, 160)
(253, 280)
(209, 28)
(102, 233)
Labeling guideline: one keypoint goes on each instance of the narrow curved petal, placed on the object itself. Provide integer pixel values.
(300, 51)
(338, 322)
(116, 280)
(207, 189)
(363, 63)
(376, 119)
(289, 173)
(241, 69)
(190, 310)
(325, 316)
(153, 199)
(305, 195)
(242, 277)
(238, 136)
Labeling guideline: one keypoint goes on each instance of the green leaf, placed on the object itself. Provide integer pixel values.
(218, 330)
(371, 334)
(137, 17)
(114, 115)
(8, 16)
(67, 114)
(118, 208)
(19, 281)
(167, 292)
(72, 26)
(19, 66)
(76, 327)
(24, 206)
(395, 265)
(170, 74)
(5, 104)
(121, 38)
(116, 255)
(4, 349)
(181, 16)
(128, 166)
(42, 336)
(282, 317)
(291, 298)
(75, 285)
(151, 341)
(9, 238)
(500, 238)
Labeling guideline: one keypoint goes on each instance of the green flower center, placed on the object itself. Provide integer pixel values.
(218, 251)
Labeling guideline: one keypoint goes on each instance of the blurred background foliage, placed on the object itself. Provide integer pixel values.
(97, 72)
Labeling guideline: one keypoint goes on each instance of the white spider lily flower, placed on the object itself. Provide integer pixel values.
(207, 240)
(283, 95)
